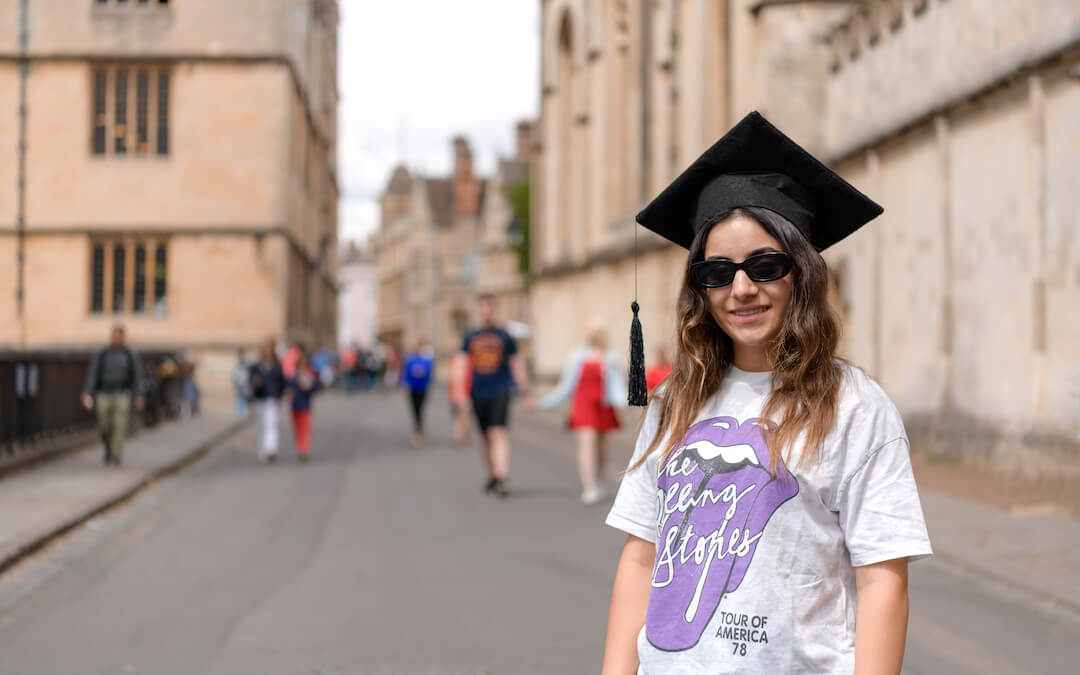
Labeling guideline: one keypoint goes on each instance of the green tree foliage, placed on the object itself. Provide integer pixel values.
(518, 195)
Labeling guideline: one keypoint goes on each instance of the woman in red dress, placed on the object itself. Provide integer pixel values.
(593, 378)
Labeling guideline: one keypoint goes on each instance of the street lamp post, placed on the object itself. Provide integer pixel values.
(20, 186)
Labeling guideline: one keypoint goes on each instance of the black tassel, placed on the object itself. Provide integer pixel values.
(639, 395)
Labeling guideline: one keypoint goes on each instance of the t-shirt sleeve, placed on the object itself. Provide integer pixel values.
(635, 509)
(880, 512)
(465, 343)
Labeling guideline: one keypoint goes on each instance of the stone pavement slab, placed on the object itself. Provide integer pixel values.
(1036, 552)
(41, 502)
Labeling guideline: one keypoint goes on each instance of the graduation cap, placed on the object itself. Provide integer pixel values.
(753, 164)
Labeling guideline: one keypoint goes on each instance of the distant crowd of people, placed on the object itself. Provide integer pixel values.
(482, 379)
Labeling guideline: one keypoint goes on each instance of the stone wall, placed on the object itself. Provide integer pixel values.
(224, 168)
(961, 297)
(927, 56)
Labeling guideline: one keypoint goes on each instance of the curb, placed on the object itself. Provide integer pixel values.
(127, 493)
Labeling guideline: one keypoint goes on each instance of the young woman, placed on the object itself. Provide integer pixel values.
(593, 377)
(769, 505)
(302, 387)
(267, 387)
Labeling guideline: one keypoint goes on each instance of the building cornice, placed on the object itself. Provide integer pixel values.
(255, 231)
(50, 348)
(1056, 64)
(616, 251)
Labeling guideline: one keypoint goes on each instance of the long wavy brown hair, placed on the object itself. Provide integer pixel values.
(806, 377)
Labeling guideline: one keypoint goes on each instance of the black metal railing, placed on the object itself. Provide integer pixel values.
(40, 397)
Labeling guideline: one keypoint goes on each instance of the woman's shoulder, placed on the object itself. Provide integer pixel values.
(858, 383)
(863, 401)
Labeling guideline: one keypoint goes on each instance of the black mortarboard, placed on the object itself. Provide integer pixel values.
(753, 164)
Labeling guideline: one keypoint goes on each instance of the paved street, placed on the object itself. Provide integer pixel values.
(378, 558)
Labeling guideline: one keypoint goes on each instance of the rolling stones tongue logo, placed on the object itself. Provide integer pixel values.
(715, 496)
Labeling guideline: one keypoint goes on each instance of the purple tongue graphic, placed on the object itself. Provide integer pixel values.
(716, 495)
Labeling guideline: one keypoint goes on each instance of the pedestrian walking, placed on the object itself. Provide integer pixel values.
(267, 387)
(350, 359)
(594, 381)
(374, 365)
(390, 366)
(289, 359)
(113, 381)
(496, 369)
(301, 388)
(190, 389)
(769, 504)
(241, 382)
(415, 377)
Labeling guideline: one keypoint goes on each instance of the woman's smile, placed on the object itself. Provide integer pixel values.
(746, 315)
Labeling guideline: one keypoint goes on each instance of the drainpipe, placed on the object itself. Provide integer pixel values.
(20, 186)
(646, 95)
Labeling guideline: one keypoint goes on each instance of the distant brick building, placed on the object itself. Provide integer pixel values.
(440, 242)
(179, 173)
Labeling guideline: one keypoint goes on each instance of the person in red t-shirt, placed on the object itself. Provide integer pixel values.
(660, 370)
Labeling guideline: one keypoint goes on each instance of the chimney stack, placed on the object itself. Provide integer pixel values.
(524, 139)
(466, 186)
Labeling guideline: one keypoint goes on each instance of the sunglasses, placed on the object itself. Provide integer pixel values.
(760, 268)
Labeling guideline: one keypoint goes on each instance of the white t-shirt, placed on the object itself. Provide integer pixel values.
(756, 574)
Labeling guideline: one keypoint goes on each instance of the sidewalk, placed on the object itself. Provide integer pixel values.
(44, 501)
(1032, 550)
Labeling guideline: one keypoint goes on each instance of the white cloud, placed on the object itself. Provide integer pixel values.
(414, 73)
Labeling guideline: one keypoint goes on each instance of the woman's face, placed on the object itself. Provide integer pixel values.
(750, 313)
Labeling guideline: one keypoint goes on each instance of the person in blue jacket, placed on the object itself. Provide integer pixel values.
(415, 378)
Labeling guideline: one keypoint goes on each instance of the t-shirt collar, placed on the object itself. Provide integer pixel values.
(754, 379)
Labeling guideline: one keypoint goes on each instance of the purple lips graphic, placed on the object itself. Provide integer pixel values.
(715, 495)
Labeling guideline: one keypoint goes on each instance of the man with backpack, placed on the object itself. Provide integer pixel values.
(114, 378)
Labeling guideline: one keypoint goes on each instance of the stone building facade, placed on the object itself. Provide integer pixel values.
(440, 243)
(179, 173)
(959, 116)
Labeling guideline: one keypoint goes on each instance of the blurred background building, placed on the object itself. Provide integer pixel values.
(959, 116)
(442, 242)
(356, 297)
(176, 171)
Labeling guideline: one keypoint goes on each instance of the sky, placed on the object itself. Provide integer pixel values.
(414, 73)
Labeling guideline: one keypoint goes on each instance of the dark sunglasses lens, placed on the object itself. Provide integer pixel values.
(767, 268)
(715, 273)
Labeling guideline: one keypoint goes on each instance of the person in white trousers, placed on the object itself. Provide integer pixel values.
(267, 387)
